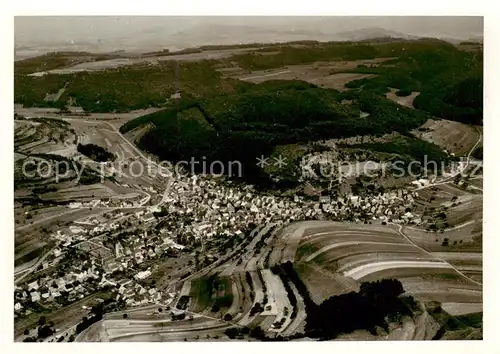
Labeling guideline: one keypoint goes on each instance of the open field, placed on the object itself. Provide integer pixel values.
(455, 137)
(457, 308)
(447, 205)
(367, 253)
(338, 81)
(463, 238)
(121, 62)
(323, 284)
(323, 74)
(406, 101)
(164, 329)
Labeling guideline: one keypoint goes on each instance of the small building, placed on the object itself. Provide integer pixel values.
(324, 199)
(33, 286)
(35, 296)
(142, 275)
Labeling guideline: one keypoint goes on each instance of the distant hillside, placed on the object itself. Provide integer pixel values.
(369, 33)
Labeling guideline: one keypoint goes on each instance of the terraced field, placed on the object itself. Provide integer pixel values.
(331, 259)
(243, 285)
(155, 330)
(340, 256)
(43, 136)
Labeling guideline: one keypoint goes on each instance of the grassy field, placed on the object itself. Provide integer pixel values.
(335, 258)
(455, 137)
(209, 294)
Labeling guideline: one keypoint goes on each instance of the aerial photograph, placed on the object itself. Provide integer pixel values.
(248, 179)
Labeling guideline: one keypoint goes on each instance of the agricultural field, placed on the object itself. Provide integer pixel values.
(455, 137)
(334, 259)
(322, 74)
(406, 101)
(213, 267)
(41, 136)
(350, 254)
(65, 316)
(88, 64)
(446, 206)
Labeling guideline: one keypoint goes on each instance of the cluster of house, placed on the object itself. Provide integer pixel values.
(74, 285)
(221, 209)
(138, 248)
(391, 206)
(135, 294)
(87, 276)
(212, 208)
(128, 202)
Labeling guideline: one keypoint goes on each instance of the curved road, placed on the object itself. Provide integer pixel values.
(447, 179)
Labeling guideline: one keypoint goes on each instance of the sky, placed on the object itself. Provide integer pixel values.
(101, 33)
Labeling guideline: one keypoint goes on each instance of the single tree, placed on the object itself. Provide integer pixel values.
(42, 320)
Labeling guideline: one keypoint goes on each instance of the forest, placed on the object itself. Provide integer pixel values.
(226, 119)
(449, 80)
(95, 152)
(252, 123)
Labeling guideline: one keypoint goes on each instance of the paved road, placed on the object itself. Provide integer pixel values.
(163, 170)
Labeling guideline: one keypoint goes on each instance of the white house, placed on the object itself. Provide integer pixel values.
(142, 275)
(35, 296)
(33, 286)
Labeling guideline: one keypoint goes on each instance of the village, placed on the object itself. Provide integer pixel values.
(117, 251)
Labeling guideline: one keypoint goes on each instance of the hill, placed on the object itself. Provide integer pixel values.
(444, 75)
(241, 127)
(372, 32)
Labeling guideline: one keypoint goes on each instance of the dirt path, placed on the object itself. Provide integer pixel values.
(265, 75)
(400, 230)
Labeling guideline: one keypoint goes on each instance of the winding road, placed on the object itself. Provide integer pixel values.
(449, 178)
